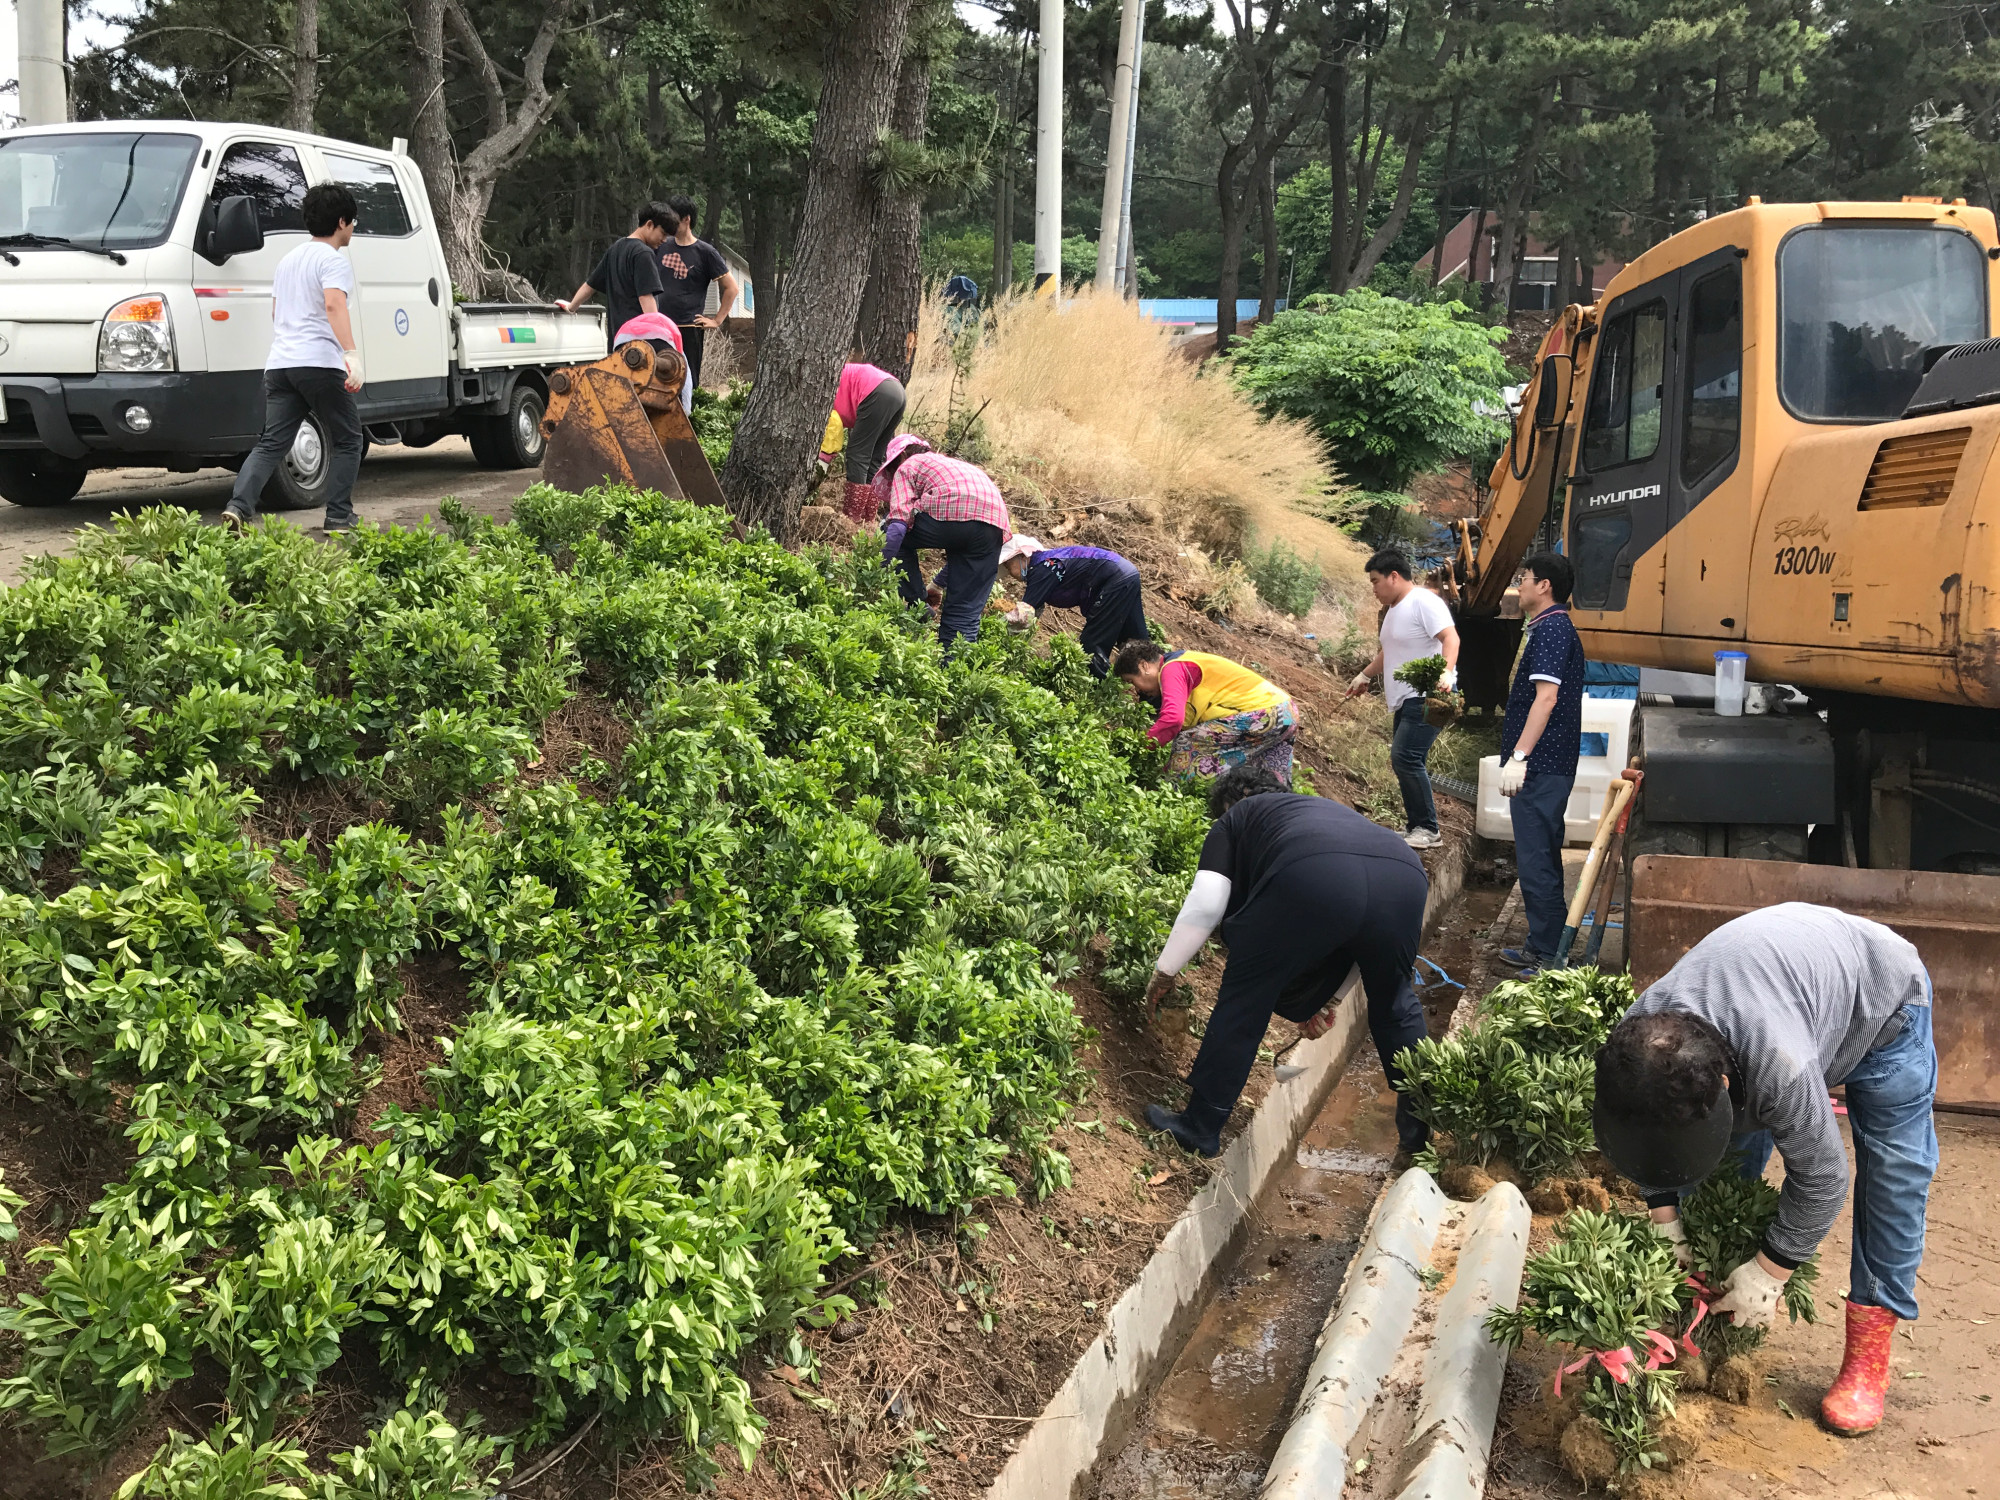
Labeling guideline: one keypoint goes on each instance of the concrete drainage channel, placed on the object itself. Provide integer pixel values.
(1298, 1183)
(1403, 1390)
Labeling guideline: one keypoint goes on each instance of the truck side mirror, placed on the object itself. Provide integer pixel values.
(1552, 391)
(228, 228)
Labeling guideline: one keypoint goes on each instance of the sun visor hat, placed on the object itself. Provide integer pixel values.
(1665, 1158)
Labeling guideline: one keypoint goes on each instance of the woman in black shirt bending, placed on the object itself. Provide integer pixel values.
(1304, 889)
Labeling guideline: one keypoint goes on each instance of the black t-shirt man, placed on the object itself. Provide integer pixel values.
(1260, 836)
(627, 272)
(686, 271)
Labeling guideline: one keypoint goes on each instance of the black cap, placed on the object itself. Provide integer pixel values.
(1665, 1158)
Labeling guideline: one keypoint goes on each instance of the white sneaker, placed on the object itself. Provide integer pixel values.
(1423, 838)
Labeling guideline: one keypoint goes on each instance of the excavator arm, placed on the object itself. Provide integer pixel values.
(1525, 485)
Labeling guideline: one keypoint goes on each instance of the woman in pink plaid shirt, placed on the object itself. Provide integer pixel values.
(955, 507)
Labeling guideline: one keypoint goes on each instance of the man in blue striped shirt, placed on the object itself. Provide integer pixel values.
(1539, 743)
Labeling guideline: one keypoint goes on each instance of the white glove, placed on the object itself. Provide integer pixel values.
(1750, 1296)
(1359, 685)
(564, 305)
(1449, 682)
(354, 380)
(1020, 617)
(1512, 774)
(1675, 1233)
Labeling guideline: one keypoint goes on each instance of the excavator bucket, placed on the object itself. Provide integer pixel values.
(620, 421)
(1954, 921)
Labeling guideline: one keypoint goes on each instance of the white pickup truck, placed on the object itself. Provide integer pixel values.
(135, 308)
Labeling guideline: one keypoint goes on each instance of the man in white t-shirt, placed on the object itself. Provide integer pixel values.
(1415, 623)
(313, 367)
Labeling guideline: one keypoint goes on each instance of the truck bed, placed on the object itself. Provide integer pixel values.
(503, 335)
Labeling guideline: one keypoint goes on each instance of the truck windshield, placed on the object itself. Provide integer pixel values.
(112, 191)
(1860, 307)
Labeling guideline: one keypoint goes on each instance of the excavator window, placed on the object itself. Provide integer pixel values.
(1858, 306)
(1713, 413)
(1623, 423)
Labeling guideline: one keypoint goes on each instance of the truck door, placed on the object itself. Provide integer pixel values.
(403, 310)
(235, 297)
(1617, 499)
(1708, 491)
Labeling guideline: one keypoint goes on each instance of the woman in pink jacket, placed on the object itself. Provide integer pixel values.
(869, 403)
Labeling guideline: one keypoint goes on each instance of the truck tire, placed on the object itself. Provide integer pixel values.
(513, 441)
(300, 482)
(39, 479)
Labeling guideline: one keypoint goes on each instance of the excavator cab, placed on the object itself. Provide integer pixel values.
(1778, 433)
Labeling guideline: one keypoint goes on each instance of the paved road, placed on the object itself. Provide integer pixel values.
(397, 485)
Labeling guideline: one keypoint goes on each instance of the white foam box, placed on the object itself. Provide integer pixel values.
(1610, 717)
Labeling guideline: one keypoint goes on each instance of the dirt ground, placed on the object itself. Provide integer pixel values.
(1942, 1434)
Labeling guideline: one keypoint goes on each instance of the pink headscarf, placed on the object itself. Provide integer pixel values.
(900, 444)
(648, 326)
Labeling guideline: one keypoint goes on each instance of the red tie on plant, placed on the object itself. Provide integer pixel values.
(1618, 1362)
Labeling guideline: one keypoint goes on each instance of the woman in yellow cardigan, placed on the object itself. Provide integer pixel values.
(1216, 713)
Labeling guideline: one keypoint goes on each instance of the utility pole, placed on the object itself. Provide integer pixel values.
(1127, 280)
(44, 82)
(1112, 214)
(1048, 151)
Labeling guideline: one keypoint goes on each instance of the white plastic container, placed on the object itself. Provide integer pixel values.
(1610, 717)
(1730, 669)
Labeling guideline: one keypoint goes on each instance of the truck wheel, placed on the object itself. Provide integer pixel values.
(39, 479)
(300, 483)
(515, 440)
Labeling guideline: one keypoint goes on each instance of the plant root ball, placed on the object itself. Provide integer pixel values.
(1556, 1196)
(1678, 1437)
(1549, 1199)
(1465, 1182)
(1586, 1453)
(1541, 1423)
(1693, 1370)
(822, 523)
(1733, 1380)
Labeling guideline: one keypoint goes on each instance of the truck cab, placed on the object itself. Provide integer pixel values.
(136, 262)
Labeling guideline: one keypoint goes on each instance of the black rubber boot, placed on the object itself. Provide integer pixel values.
(1198, 1128)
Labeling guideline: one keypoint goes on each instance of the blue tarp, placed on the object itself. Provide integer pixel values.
(1197, 309)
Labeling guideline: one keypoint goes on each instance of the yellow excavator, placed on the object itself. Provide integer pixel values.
(1775, 433)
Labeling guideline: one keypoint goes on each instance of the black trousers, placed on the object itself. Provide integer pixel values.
(1292, 946)
(290, 395)
(1114, 617)
(875, 422)
(971, 562)
(693, 341)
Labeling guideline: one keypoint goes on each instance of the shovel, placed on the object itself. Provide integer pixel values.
(1594, 863)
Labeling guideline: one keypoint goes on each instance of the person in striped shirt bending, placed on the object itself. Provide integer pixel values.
(955, 507)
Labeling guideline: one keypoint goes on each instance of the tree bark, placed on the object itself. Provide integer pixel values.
(305, 64)
(1267, 213)
(1336, 150)
(1229, 207)
(461, 191)
(761, 229)
(799, 363)
(1513, 212)
(1399, 211)
(890, 306)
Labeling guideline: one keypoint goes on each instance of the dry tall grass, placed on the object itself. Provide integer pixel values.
(1089, 402)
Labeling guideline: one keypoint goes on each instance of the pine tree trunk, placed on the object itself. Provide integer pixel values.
(1003, 226)
(799, 364)
(1267, 211)
(430, 127)
(760, 226)
(890, 307)
(305, 64)
(1229, 276)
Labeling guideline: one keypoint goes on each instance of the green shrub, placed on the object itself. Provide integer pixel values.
(1725, 1219)
(1519, 1081)
(1392, 386)
(1283, 579)
(715, 417)
(1607, 1285)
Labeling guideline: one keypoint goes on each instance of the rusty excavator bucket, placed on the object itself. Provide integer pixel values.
(620, 421)
(1954, 921)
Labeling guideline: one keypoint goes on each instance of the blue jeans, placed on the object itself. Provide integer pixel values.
(1409, 748)
(1889, 1098)
(1537, 814)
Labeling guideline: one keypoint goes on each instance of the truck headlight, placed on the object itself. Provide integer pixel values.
(138, 334)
